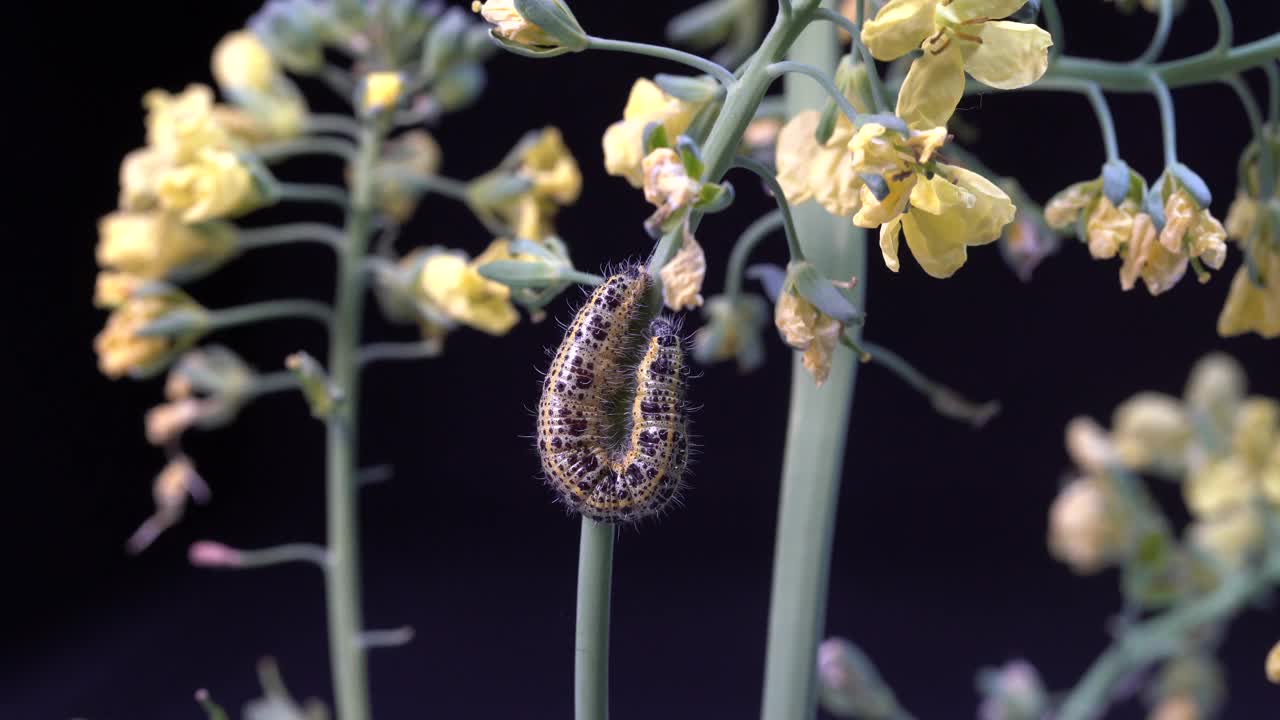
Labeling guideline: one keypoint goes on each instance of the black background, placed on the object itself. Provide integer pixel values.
(940, 563)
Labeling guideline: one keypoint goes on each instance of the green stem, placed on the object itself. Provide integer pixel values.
(342, 582)
(1106, 122)
(286, 149)
(1266, 161)
(440, 185)
(273, 382)
(709, 67)
(1053, 18)
(1164, 21)
(816, 430)
(1195, 70)
(854, 28)
(333, 123)
(779, 69)
(946, 401)
(377, 352)
(1168, 122)
(260, 237)
(292, 552)
(591, 646)
(313, 193)
(1161, 637)
(1226, 31)
(1273, 91)
(269, 310)
(793, 239)
(747, 242)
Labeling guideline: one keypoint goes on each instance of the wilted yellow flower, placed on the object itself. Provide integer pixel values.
(509, 24)
(668, 187)
(121, 350)
(682, 276)
(181, 126)
(1084, 531)
(241, 61)
(823, 172)
(955, 37)
(112, 288)
(947, 213)
(1146, 258)
(1191, 230)
(1109, 228)
(1250, 308)
(806, 328)
(624, 140)
(1151, 431)
(155, 244)
(215, 184)
(382, 90)
(456, 289)
(407, 157)
(1063, 209)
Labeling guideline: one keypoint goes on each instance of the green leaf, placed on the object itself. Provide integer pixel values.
(655, 136)
(817, 289)
(714, 198)
(690, 156)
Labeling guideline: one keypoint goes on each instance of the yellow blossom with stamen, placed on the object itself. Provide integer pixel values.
(966, 35)
(624, 140)
(454, 287)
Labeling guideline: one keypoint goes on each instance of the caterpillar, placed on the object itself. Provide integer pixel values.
(614, 443)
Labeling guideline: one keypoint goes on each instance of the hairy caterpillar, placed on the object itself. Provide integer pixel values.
(614, 443)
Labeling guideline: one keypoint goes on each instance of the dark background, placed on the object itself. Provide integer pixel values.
(940, 564)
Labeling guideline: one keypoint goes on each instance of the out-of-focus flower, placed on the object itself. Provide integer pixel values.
(250, 76)
(1085, 531)
(1012, 692)
(561, 30)
(1026, 242)
(524, 193)
(668, 187)
(1089, 446)
(1253, 303)
(1193, 231)
(955, 37)
(624, 140)
(175, 483)
(451, 284)
(155, 244)
(406, 161)
(682, 276)
(1273, 664)
(824, 172)
(1177, 707)
(215, 184)
(241, 61)
(381, 90)
(1151, 431)
(849, 684)
(122, 347)
(733, 331)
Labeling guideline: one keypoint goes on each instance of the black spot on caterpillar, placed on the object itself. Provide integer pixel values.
(614, 442)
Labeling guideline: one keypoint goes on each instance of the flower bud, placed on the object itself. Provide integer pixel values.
(1088, 445)
(210, 554)
(1151, 431)
(316, 388)
(1273, 664)
(849, 685)
(1083, 527)
(1215, 389)
(1011, 692)
(732, 331)
(536, 28)
(381, 91)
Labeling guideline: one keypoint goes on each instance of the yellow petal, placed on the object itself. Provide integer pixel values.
(1011, 55)
(899, 28)
(682, 276)
(968, 9)
(1250, 308)
(932, 89)
(936, 241)
(796, 149)
(992, 210)
(889, 233)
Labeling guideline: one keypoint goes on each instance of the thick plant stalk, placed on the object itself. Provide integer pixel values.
(816, 430)
(591, 639)
(346, 652)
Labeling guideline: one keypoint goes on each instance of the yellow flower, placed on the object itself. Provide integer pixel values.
(215, 184)
(1064, 208)
(549, 165)
(1250, 308)
(822, 172)
(1242, 216)
(955, 37)
(668, 187)
(1145, 257)
(732, 331)
(1083, 529)
(112, 288)
(382, 90)
(624, 140)
(240, 60)
(181, 126)
(682, 276)
(155, 244)
(900, 163)
(509, 24)
(122, 351)
(949, 212)
(1151, 431)
(454, 287)
(140, 172)
(1273, 664)
(805, 328)
(1108, 228)
(1192, 230)
(407, 157)
(1231, 536)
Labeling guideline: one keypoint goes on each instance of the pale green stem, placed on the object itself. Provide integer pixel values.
(771, 182)
(1164, 22)
(273, 382)
(333, 123)
(377, 352)
(1273, 91)
(340, 82)
(1168, 122)
(269, 310)
(1162, 637)
(394, 637)
(1198, 69)
(1226, 30)
(313, 193)
(1053, 18)
(784, 6)
(854, 28)
(779, 69)
(747, 242)
(591, 641)
(1266, 161)
(260, 237)
(709, 67)
(278, 555)
(438, 184)
(945, 400)
(285, 149)
(347, 655)
(812, 464)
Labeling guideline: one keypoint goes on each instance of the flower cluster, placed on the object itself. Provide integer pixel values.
(1253, 222)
